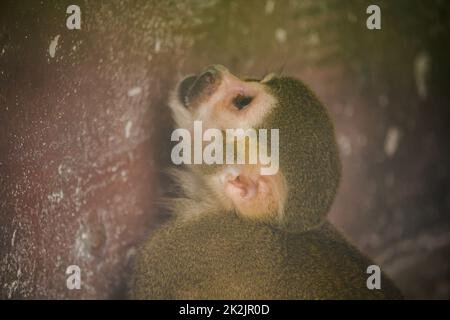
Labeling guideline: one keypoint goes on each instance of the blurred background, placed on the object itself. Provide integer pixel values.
(85, 129)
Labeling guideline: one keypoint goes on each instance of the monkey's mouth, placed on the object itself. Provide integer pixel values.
(237, 182)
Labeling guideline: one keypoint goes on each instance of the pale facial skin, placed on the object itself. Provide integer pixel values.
(223, 101)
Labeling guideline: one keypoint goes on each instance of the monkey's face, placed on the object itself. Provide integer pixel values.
(223, 101)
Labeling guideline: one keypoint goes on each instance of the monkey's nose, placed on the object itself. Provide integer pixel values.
(214, 71)
(209, 77)
(196, 88)
(206, 83)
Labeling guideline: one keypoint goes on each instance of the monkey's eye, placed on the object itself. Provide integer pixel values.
(240, 101)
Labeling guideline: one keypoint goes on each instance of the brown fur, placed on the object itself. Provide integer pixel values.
(276, 245)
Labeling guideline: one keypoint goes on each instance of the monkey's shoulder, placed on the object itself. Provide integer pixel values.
(224, 256)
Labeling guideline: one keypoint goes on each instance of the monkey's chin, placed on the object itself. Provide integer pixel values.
(253, 196)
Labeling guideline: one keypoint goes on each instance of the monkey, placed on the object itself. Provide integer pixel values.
(238, 234)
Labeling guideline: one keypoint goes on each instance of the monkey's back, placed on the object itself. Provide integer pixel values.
(221, 256)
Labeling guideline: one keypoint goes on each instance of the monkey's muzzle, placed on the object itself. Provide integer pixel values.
(196, 89)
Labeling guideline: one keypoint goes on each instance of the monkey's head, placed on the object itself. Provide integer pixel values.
(296, 196)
